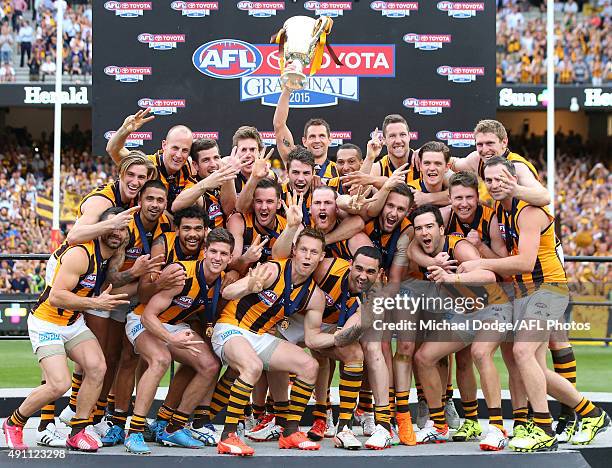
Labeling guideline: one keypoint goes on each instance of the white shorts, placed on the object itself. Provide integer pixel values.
(543, 304)
(134, 327)
(44, 333)
(50, 270)
(295, 332)
(264, 344)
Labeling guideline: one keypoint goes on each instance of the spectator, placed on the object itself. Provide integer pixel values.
(7, 73)
(34, 66)
(48, 68)
(6, 43)
(26, 34)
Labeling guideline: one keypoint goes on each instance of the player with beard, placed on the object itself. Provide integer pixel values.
(270, 294)
(171, 160)
(263, 222)
(57, 330)
(434, 157)
(323, 216)
(541, 293)
(215, 190)
(495, 307)
(492, 140)
(317, 138)
(429, 235)
(247, 145)
(348, 159)
(160, 333)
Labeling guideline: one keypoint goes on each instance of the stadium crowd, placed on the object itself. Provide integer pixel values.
(28, 39)
(583, 51)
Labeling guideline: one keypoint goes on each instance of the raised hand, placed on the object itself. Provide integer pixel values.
(358, 200)
(397, 177)
(145, 264)
(261, 166)
(474, 238)
(133, 122)
(219, 177)
(258, 277)
(122, 220)
(375, 145)
(108, 301)
(255, 250)
(293, 209)
(356, 178)
(173, 276)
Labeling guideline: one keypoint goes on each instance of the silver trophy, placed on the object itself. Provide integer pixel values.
(301, 43)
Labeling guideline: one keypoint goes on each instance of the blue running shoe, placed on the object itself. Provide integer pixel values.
(157, 427)
(180, 438)
(135, 443)
(114, 436)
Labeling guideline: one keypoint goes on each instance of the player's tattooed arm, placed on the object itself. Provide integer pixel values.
(348, 335)
(287, 143)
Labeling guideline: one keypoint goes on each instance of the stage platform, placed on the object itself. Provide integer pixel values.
(455, 455)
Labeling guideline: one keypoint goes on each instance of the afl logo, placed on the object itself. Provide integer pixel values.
(268, 297)
(227, 59)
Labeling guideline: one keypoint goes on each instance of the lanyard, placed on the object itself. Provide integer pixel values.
(323, 168)
(271, 232)
(305, 214)
(100, 269)
(177, 248)
(345, 313)
(391, 247)
(143, 234)
(289, 305)
(211, 307)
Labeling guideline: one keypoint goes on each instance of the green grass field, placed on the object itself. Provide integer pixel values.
(19, 368)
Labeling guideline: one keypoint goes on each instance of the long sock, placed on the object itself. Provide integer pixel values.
(420, 393)
(100, 410)
(365, 400)
(382, 416)
(319, 411)
(17, 419)
(221, 395)
(543, 421)
(351, 375)
(47, 413)
(201, 417)
(280, 411)
(495, 417)
(470, 409)
(137, 424)
(77, 425)
(164, 413)
(401, 402)
(449, 392)
(392, 401)
(111, 403)
(587, 409)
(298, 399)
(438, 417)
(520, 416)
(564, 363)
(258, 411)
(77, 381)
(177, 422)
(328, 405)
(269, 404)
(239, 395)
(119, 418)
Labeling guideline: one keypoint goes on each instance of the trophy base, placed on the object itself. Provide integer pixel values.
(293, 80)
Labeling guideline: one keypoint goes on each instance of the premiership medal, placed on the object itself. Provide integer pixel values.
(284, 324)
(209, 330)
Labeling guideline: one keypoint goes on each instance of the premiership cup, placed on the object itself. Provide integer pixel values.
(301, 43)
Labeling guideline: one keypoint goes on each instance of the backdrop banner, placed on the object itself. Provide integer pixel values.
(209, 65)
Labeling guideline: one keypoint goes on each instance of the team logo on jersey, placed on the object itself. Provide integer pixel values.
(395, 9)
(214, 210)
(128, 9)
(208, 135)
(427, 106)
(427, 41)
(128, 74)
(161, 41)
(133, 252)
(461, 9)
(134, 139)
(195, 9)
(331, 9)
(89, 281)
(261, 9)
(184, 302)
(460, 74)
(268, 297)
(162, 106)
(456, 139)
(227, 58)
(329, 300)
(258, 67)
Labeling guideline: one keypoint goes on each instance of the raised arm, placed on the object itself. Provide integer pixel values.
(116, 145)
(258, 279)
(469, 163)
(284, 139)
(529, 188)
(87, 227)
